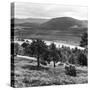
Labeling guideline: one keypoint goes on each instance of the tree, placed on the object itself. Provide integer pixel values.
(84, 40)
(82, 59)
(24, 45)
(72, 59)
(16, 48)
(70, 70)
(60, 54)
(46, 56)
(26, 48)
(38, 47)
(54, 53)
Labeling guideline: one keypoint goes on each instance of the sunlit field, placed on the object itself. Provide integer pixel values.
(27, 74)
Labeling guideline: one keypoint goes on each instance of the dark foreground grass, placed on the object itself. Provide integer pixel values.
(27, 74)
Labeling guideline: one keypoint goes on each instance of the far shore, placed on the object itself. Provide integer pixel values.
(58, 44)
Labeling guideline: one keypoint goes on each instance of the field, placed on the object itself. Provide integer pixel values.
(27, 74)
(70, 36)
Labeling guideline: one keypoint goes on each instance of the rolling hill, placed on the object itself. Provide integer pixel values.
(64, 28)
(64, 23)
(29, 20)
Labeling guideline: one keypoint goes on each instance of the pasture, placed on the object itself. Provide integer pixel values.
(27, 74)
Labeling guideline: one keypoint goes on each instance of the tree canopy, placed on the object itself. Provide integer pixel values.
(38, 47)
(84, 40)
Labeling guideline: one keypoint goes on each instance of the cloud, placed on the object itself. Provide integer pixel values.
(28, 10)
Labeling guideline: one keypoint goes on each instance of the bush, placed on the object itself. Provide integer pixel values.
(24, 45)
(84, 40)
(16, 48)
(82, 59)
(70, 70)
(46, 56)
(72, 59)
(43, 63)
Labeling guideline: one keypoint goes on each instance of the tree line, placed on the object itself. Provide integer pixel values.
(45, 54)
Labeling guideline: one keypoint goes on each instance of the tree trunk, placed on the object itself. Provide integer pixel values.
(54, 64)
(38, 63)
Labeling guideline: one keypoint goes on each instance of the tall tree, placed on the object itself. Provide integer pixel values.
(38, 47)
(84, 40)
(24, 45)
(16, 48)
(54, 54)
(46, 56)
(26, 48)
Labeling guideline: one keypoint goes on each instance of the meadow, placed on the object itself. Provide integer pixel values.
(27, 74)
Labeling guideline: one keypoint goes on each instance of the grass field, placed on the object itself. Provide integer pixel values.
(27, 74)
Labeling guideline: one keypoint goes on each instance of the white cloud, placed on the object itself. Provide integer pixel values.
(27, 10)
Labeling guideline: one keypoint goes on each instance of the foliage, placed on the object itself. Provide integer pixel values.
(82, 59)
(38, 47)
(46, 54)
(54, 54)
(26, 51)
(45, 76)
(24, 45)
(70, 70)
(71, 59)
(84, 40)
(43, 63)
(16, 48)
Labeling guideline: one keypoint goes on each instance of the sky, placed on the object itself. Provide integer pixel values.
(48, 11)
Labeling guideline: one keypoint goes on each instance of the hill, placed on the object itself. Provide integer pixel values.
(64, 23)
(64, 28)
(29, 20)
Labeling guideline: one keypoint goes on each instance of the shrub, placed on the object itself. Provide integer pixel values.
(24, 45)
(43, 63)
(72, 59)
(16, 48)
(46, 56)
(84, 40)
(70, 70)
(54, 54)
(82, 59)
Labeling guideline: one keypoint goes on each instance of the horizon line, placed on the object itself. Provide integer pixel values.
(45, 18)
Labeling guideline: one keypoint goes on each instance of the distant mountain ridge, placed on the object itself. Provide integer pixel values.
(64, 23)
(61, 23)
(62, 28)
(29, 20)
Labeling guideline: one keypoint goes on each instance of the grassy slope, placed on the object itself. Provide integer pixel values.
(62, 28)
(73, 36)
(27, 74)
(49, 35)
